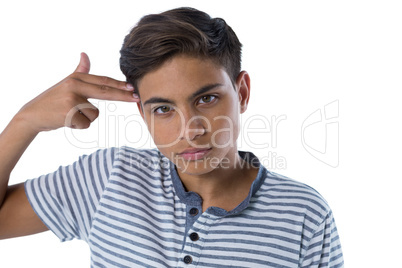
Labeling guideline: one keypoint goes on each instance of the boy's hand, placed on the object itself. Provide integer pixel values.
(66, 103)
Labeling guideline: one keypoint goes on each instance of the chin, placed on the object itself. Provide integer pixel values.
(198, 167)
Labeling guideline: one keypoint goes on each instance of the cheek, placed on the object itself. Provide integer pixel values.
(165, 133)
(225, 130)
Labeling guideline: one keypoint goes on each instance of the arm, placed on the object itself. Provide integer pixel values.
(15, 209)
(65, 104)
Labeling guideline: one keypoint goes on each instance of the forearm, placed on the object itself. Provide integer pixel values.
(14, 140)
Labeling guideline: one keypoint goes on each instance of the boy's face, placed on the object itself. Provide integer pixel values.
(191, 103)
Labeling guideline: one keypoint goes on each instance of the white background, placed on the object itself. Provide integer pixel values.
(301, 55)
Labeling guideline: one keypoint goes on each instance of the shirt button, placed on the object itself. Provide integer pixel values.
(193, 211)
(194, 237)
(187, 259)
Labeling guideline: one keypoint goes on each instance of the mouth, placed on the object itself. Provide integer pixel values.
(194, 154)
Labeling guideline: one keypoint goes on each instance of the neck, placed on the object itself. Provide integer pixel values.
(224, 187)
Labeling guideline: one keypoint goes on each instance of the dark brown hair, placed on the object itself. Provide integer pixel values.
(158, 37)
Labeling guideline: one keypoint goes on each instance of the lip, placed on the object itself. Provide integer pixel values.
(194, 153)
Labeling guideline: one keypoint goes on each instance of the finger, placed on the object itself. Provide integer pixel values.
(84, 65)
(88, 110)
(103, 81)
(102, 92)
(76, 119)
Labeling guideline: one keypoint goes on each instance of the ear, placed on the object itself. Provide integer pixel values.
(139, 105)
(243, 90)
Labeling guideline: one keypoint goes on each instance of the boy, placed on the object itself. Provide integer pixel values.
(195, 200)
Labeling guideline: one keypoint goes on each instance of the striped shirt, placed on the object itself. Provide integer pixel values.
(131, 208)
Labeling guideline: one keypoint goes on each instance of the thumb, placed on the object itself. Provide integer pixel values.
(84, 65)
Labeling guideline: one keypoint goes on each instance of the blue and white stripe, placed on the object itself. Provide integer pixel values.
(130, 207)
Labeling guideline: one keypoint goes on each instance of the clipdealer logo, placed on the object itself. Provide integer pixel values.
(320, 134)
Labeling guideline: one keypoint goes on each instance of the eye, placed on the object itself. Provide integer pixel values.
(207, 98)
(161, 109)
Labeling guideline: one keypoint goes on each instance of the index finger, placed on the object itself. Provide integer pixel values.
(104, 92)
(102, 81)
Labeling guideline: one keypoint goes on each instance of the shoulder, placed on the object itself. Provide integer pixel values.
(126, 151)
(293, 196)
(141, 163)
(123, 153)
(101, 155)
(116, 159)
(140, 158)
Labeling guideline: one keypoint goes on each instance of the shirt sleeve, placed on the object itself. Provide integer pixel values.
(324, 248)
(67, 199)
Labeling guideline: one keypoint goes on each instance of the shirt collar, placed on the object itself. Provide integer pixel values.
(193, 199)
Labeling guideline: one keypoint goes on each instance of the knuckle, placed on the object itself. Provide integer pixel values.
(73, 76)
(103, 88)
(105, 80)
(70, 82)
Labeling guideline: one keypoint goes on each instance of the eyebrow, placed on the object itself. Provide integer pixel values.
(195, 94)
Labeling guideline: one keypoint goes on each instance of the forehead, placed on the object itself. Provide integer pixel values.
(181, 76)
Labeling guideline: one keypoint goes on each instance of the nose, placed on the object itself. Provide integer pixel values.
(193, 125)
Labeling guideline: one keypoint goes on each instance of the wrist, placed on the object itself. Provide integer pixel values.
(24, 125)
